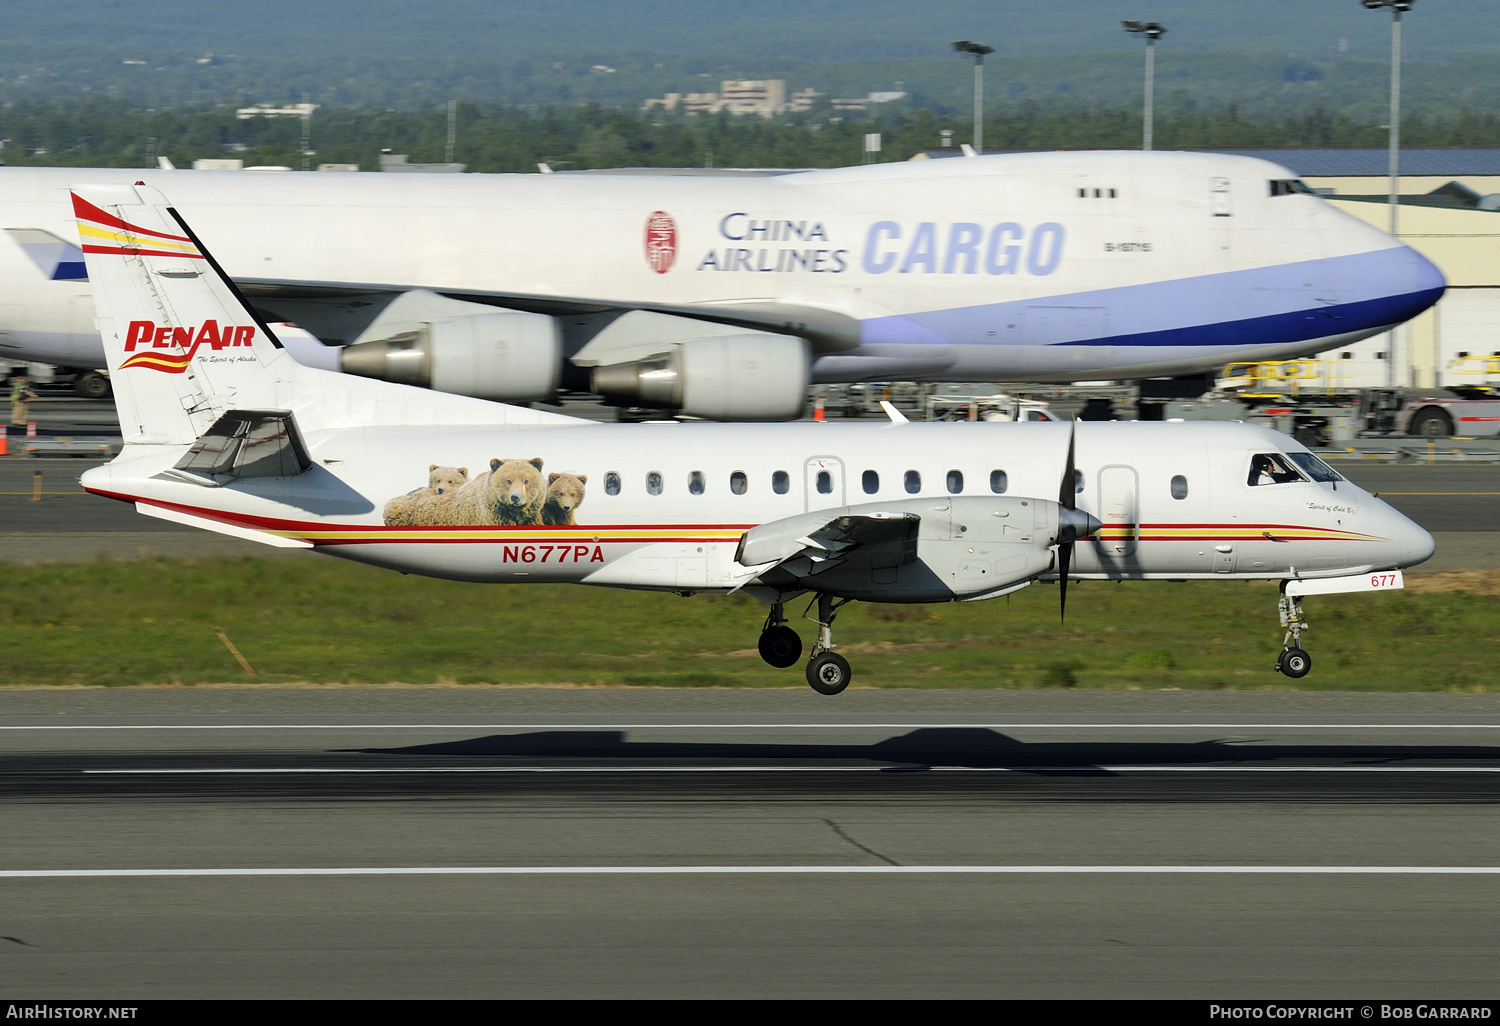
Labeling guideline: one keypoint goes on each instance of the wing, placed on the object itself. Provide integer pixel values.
(814, 543)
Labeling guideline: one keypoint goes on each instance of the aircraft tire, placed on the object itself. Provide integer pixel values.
(780, 646)
(828, 673)
(1294, 663)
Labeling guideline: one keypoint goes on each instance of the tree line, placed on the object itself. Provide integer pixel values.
(101, 131)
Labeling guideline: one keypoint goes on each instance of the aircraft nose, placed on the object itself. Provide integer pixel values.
(1399, 283)
(1417, 545)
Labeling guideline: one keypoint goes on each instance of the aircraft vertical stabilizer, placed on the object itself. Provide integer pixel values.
(182, 346)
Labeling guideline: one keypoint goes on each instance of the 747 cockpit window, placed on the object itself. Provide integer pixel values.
(1289, 186)
(1314, 467)
(1267, 468)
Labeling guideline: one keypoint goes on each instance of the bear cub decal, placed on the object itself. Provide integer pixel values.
(564, 496)
(511, 493)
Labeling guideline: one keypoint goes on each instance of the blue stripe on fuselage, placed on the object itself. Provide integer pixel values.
(1283, 303)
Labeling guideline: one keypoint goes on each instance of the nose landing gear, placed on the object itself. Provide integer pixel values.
(1293, 661)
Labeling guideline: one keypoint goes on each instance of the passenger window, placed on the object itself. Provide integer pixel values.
(611, 483)
(1078, 482)
(998, 482)
(780, 482)
(955, 481)
(825, 482)
(1179, 487)
(1269, 468)
(913, 482)
(871, 482)
(739, 484)
(695, 482)
(653, 483)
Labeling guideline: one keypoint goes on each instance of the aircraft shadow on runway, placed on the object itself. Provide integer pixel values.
(929, 764)
(962, 747)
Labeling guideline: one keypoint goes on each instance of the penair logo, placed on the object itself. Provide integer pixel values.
(661, 241)
(150, 338)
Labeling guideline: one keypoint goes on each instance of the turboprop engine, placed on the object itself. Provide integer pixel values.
(917, 550)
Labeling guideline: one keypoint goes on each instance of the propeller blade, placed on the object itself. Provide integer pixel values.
(1064, 558)
(1067, 498)
(1067, 495)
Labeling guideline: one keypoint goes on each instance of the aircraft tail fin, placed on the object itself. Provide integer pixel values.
(182, 344)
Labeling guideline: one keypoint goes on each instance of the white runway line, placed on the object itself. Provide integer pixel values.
(39, 874)
(893, 768)
(747, 726)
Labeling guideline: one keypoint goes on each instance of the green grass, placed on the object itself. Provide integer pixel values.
(326, 621)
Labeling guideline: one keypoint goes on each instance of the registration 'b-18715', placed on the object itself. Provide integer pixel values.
(237, 437)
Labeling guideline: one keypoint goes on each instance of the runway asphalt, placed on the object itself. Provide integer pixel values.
(381, 842)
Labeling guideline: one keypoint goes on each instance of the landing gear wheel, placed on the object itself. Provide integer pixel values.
(780, 646)
(828, 673)
(1294, 663)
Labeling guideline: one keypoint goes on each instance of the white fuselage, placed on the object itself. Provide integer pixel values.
(1045, 266)
(684, 538)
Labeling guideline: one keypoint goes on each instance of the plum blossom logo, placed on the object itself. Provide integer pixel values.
(661, 241)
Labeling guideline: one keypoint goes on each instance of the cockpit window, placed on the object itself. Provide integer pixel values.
(1268, 468)
(1314, 467)
(1289, 186)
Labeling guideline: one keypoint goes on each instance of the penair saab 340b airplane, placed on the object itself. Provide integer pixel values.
(225, 432)
(724, 296)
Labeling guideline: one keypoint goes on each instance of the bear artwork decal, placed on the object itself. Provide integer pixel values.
(510, 493)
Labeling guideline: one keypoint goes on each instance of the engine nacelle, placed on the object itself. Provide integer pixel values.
(752, 376)
(505, 355)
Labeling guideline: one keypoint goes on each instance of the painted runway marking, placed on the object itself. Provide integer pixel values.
(908, 767)
(23, 874)
(1009, 725)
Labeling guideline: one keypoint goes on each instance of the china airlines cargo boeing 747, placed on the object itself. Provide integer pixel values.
(225, 432)
(723, 297)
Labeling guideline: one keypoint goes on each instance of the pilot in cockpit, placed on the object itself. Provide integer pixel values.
(1271, 468)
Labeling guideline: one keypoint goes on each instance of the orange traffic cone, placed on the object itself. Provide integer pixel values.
(818, 409)
(31, 429)
(4, 441)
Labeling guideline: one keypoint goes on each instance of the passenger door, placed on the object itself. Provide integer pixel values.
(1119, 512)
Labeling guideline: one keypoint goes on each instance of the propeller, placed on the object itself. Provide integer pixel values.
(1067, 498)
(1071, 523)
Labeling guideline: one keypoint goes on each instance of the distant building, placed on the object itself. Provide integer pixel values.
(763, 96)
(869, 100)
(265, 110)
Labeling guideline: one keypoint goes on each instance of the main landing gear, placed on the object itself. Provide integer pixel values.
(1293, 661)
(827, 672)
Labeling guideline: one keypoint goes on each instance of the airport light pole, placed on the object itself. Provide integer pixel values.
(1398, 7)
(1152, 31)
(977, 50)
